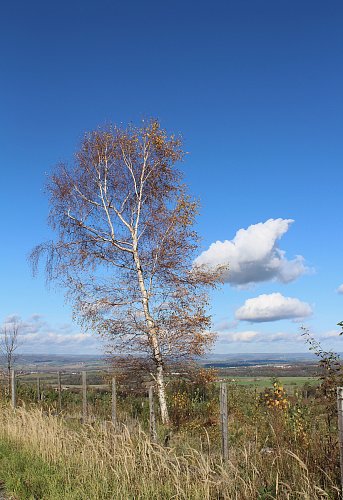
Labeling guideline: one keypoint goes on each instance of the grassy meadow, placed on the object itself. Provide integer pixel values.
(282, 444)
(290, 383)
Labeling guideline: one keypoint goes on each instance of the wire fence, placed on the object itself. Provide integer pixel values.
(92, 395)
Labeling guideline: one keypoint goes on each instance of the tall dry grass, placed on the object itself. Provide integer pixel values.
(101, 462)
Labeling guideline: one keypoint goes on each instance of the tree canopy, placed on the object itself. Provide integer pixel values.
(125, 245)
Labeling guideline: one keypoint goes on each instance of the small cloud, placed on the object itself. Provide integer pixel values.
(278, 337)
(330, 334)
(224, 326)
(12, 318)
(260, 337)
(340, 289)
(253, 255)
(36, 317)
(272, 307)
(284, 337)
(39, 336)
(246, 336)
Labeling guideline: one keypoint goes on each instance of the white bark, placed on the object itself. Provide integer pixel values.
(109, 208)
(153, 337)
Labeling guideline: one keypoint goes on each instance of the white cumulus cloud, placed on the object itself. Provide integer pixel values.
(272, 307)
(340, 289)
(253, 255)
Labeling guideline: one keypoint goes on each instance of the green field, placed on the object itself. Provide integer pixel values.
(289, 383)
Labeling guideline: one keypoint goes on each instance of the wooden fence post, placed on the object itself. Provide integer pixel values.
(59, 388)
(84, 397)
(152, 418)
(224, 420)
(38, 388)
(221, 400)
(14, 389)
(114, 401)
(340, 428)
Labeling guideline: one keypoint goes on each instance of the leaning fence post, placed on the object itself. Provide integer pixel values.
(152, 418)
(114, 401)
(38, 388)
(84, 397)
(224, 420)
(13, 387)
(59, 388)
(340, 428)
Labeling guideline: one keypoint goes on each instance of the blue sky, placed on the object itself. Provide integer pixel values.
(256, 90)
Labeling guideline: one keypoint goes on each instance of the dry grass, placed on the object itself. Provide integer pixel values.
(100, 462)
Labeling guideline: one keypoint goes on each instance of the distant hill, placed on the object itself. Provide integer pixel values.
(244, 359)
(50, 362)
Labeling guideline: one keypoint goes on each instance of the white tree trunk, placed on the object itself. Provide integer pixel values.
(153, 338)
(162, 395)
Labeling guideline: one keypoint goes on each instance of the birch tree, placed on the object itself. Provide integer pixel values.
(9, 343)
(125, 244)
